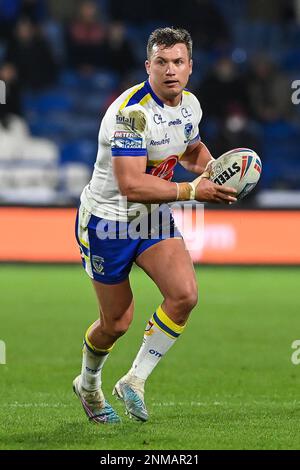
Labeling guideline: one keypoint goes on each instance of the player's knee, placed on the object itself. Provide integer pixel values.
(117, 328)
(193, 298)
(120, 330)
(185, 299)
(188, 299)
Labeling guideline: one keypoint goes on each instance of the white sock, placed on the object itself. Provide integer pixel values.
(93, 360)
(91, 369)
(160, 334)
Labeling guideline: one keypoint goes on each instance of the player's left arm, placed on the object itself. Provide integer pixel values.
(196, 157)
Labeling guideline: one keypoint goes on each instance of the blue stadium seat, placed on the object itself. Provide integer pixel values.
(258, 36)
(280, 131)
(280, 155)
(290, 60)
(102, 80)
(69, 79)
(2, 51)
(91, 104)
(46, 127)
(83, 150)
(47, 101)
(292, 35)
(232, 9)
(81, 126)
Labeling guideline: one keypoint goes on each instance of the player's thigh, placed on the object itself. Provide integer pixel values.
(169, 264)
(115, 301)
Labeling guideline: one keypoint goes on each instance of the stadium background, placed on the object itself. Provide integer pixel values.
(63, 63)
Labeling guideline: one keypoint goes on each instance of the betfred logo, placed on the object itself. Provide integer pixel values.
(125, 134)
(227, 174)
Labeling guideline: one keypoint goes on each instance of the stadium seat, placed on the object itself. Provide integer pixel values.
(101, 80)
(83, 151)
(2, 51)
(29, 183)
(46, 127)
(47, 101)
(290, 60)
(74, 177)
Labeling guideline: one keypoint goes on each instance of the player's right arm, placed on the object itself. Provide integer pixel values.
(129, 156)
(138, 186)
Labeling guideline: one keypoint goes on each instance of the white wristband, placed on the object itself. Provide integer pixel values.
(194, 184)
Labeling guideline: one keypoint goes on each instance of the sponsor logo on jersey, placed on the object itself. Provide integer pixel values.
(186, 112)
(164, 141)
(125, 120)
(127, 140)
(188, 129)
(165, 169)
(158, 119)
(177, 122)
(125, 135)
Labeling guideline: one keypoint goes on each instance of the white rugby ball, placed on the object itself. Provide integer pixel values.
(239, 168)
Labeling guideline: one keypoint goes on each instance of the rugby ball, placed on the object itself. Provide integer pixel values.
(239, 168)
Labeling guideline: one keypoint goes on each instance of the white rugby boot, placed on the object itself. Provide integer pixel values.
(130, 389)
(94, 404)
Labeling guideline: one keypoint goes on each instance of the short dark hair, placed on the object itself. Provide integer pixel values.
(168, 37)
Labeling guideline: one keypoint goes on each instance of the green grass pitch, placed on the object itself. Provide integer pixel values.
(228, 383)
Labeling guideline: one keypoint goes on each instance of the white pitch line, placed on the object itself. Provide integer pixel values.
(166, 404)
(35, 405)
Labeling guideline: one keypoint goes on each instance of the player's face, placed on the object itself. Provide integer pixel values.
(169, 70)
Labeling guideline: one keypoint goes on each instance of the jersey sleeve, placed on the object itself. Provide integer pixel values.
(128, 136)
(195, 136)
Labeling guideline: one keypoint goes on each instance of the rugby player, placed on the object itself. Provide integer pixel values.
(144, 133)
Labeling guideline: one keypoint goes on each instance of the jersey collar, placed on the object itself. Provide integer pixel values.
(154, 96)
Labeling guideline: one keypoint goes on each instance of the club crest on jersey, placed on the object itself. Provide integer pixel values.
(188, 128)
(97, 262)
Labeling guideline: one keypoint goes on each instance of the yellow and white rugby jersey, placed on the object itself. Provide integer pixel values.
(138, 123)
